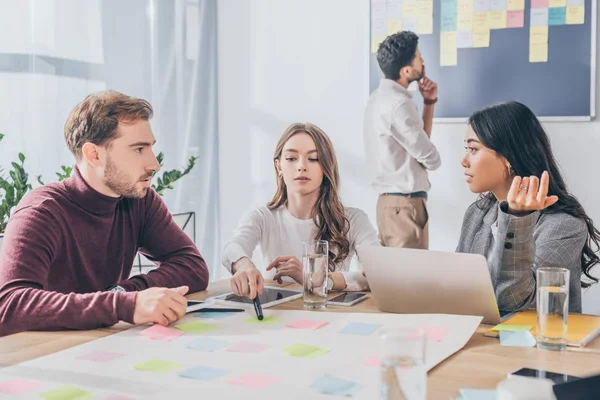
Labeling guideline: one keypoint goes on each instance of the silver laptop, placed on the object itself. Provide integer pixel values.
(412, 281)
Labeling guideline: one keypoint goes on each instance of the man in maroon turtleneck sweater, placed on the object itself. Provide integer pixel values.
(69, 246)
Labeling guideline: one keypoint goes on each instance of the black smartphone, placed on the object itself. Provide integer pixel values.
(579, 389)
(553, 376)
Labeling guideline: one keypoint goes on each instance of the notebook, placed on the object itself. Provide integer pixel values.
(581, 328)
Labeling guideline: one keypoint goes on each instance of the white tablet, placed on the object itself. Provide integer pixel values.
(271, 296)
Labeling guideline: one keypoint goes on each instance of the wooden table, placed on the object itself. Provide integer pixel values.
(482, 363)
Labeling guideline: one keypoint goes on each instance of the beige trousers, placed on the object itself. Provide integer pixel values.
(403, 222)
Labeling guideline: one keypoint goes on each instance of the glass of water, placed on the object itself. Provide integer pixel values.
(552, 307)
(403, 371)
(315, 260)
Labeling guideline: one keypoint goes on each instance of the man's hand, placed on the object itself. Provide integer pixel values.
(160, 305)
(427, 87)
(247, 279)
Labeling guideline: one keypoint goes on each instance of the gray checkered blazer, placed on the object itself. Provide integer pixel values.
(519, 247)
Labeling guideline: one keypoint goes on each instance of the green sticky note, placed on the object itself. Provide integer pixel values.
(67, 393)
(196, 327)
(156, 365)
(305, 350)
(265, 320)
(511, 328)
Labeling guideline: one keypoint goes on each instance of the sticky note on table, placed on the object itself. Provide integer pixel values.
(359, 328)
(478, 394)
(159, 332)
(19, 386)
(557, 16)
(435, 333)
(511, 328)
(306, 324)
(305, 350)
(520, 339)
(116, 397)
(254, 380)
(575, 15)
(328, 384)
(203, 373)
(207, 344)
(265, 321)
(515, 19)
(67, 393)
(374, 361)
(196, 327)
(100, 356)
(156, 365)
(248, 347)
(538, 52)
(214, 314)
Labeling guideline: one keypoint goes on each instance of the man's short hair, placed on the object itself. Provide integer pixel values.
(395, 52)
(97, 117)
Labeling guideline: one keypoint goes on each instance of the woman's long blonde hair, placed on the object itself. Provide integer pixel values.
(328, 213)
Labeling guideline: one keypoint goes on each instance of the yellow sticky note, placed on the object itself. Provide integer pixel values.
(424, 8)
(481, 22)
(448, 50)
(538, 52)
(515, 5)
(575, 15)
(497, 19)
(409, 10)
(393, 26)
(538, 34)
(481, 38)
(425, 25)
(375, 42)
(465, 15)
(558, 3)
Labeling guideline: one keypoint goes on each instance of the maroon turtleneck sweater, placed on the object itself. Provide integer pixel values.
(66, 243)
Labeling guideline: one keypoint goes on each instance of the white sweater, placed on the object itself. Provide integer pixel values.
(279, 233)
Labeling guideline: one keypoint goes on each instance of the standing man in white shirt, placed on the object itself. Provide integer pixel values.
(399, 151)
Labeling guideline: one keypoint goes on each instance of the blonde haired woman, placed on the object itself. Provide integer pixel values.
(305, 207)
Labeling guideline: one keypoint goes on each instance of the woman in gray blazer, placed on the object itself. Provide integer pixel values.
(525, 217)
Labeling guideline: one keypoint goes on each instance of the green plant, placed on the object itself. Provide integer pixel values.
(12, 188)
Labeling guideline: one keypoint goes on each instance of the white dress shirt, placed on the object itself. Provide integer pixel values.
(279, 233)
(398, 151)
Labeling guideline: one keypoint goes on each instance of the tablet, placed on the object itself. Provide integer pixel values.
(270, 297)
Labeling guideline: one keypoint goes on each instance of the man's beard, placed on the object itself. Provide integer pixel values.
(419, 76)
(120, 183)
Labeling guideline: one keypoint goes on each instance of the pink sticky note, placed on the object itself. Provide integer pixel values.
(515, 19)
(117, 397)
(159, 332)
(306, 324)
(374, 361)
(248, 347)
(435, 333)
(539, 3)
(100, 356)
(19, 386)
(254, 380)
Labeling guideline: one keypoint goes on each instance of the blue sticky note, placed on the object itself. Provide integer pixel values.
(481, 6)
(478, 394)
(520, 339)
(498, 5)
(331, 385)
(207, 344)
(203, 373)
(448, 16)
(358, 328)
(557, 16)
(214, 315)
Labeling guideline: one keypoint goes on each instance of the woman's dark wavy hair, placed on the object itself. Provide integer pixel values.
(512, 130)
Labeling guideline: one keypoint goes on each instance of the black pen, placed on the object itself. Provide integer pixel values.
(257, 308)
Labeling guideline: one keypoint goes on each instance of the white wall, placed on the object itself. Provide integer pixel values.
(306, 60)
